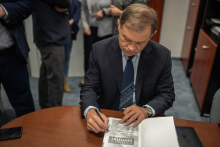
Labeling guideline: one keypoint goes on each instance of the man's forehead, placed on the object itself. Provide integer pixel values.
(130, 39)
(134, 35)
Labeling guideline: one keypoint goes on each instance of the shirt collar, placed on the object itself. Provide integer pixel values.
(123, 54)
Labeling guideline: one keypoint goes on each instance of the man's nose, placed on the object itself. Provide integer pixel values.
(131, 46)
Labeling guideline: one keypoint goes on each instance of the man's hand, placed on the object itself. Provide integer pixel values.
(87, 31)
(2, 12)
(71, 22)
(114, 11)
(99, 14)
(58, 9)
(132, 113)
(94, 123)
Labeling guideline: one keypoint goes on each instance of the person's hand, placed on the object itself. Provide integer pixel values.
(71, 31)
(87, 31)
(114, 11)
(2, 12)
(71, 22)
(132, 113)
(94, 123)
(110, 10)
(99, 14)
(58, 9)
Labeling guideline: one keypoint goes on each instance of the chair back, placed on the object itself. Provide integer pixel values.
(215, 109)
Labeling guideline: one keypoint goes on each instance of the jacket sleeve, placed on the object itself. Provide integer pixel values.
(76, 14)
(164, 92)
(83, 15)
(92, 87)
(19, 10)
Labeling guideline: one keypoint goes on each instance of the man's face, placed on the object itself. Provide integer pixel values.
(133, 42)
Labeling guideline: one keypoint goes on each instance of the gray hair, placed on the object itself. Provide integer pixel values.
(139, 16)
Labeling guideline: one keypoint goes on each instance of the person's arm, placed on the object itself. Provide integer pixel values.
(92, 86)
(114, 11)
(3, 12)
(85, 23)
(19, 10)
(83, 15)
(76, 15)
(164, 91)
(89, 96)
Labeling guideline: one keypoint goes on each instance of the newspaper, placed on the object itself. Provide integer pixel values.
(120, 135)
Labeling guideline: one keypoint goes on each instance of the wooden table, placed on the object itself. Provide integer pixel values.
(64, 127)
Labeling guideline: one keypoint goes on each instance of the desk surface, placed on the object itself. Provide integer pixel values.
(63, 126)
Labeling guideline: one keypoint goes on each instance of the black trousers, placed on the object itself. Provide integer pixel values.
(15, 80)
(88, 42)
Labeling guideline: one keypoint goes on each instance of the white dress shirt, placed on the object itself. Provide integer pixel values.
(6, 39)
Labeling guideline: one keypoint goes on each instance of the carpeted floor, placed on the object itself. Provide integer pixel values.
(184, 107)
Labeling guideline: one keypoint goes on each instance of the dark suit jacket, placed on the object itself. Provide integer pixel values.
(154, 81)
(74, 13)
(18, 11)
(49, 25)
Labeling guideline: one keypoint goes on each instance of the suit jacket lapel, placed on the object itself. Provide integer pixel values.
(144, 64)
(115, 58)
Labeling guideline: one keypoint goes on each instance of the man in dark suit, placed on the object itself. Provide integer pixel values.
(13, 54)
(128, 72)
(51, 32)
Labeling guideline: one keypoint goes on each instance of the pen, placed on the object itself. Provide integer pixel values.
(99, 115)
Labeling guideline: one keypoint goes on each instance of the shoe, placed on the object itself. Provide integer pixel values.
(66, 87)
(81, 84)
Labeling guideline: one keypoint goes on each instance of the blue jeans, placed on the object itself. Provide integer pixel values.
(68, 48)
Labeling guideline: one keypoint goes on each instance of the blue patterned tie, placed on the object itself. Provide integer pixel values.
(127, 88)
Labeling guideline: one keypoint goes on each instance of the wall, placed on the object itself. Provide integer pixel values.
(173, 25)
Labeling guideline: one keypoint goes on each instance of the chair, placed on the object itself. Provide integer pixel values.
(215, 109)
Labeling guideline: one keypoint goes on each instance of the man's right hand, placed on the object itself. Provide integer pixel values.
(2, 12)
(87, 31)
(94, 123)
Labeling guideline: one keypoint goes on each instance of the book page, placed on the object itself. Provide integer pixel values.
(120, 135)
(159, 132)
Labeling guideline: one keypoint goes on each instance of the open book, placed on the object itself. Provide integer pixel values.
(152, 132)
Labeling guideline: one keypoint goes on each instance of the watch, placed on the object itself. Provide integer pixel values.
(148, 110)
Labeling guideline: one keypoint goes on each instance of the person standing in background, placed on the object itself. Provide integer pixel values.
(51, 32)
(97, 25)
(74, 16)
(116, 11)
(14, 53)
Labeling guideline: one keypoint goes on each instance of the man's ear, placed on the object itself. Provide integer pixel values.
(118, 24)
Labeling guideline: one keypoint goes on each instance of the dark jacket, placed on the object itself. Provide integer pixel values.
(74, 13)
(154, 81)
(18, 10)
(49, 25)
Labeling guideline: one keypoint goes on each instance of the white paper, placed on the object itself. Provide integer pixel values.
(159, 132)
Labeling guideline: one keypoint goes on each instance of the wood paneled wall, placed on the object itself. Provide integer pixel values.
(157, 5)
